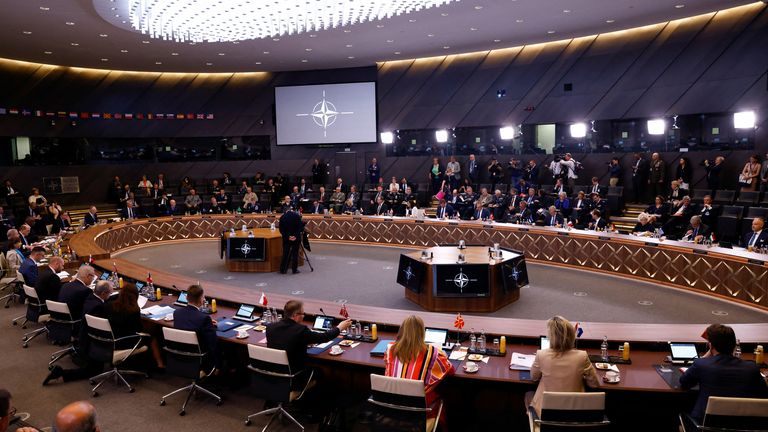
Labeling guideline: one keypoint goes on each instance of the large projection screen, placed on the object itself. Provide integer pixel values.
(326, 114)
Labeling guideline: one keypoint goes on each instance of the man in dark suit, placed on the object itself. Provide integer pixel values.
(709, 212)
(640, 170)
(498, 205)
(316, 208)
(596, 188)
(91, 218)
(444, 210)
(131, 210)
(48, 282)
(696, 230)
(291, 228)
(381, 209)
(173, 209)
(524, 215)
(480, 213)
(472, 170)
(676, 193)
(678, 217)
(191, 318)
(28, 267)
(758, 238)
(74, 293)
(719, 373)
(598, 223)
(290, 335)
(553, 218)
(374, 171)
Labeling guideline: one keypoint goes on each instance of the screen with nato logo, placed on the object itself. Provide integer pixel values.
(326, 114)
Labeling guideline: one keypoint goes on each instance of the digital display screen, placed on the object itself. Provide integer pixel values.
(461, 280)
(246, 311)
(410, 273)
(323, 323)
(245, 248)
(435, 336)
(514, 274)
(683, 351)
(326, 114)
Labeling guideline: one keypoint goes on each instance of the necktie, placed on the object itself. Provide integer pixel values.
(553, 221)
(753, 239)
(695, 231)
(130, 213)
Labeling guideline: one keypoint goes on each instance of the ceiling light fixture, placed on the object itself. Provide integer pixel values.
(550, 32)
(48, 52)
(103, 35)
(497, 40)
(123, 51)
(610, 21)
(74, 44)
(27, 32)
(69, 23)
(744, 120)
(44, 8)
(158, 63)
(680, 6)
(506, 133)
(578, 130)
(105, 59)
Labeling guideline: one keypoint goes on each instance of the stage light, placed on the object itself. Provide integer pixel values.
(657, 127)
(744, 120)
(507, 132)
(578, 130)
(501, 93)
(227, 20)
(441, 135)
(387, 137)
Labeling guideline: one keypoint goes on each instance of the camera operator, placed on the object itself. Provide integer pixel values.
(569, 165)
(515, 172)
(291, 228)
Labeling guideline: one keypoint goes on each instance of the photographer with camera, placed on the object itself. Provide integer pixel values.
(569, 164)
(714, 167)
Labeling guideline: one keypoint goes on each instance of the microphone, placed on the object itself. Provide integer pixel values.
(323, 312)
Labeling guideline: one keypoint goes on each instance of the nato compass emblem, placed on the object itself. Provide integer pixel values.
(324, 114)
(409, 273)
(515, 273)
(461, 280)
(245, 249)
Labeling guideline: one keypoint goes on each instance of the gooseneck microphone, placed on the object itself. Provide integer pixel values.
(323, 312)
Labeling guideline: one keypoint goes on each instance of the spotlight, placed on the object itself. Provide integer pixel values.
(441, 135)
(578, 130)
(501, 93)
(507, 133)
(744, 120)
(387, 137)
(656, 127)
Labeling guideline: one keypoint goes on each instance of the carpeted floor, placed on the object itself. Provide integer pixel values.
(366, 275)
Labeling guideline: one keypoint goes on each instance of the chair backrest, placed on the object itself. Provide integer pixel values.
(101, 345)
(35, 307)
(59, 311)
(727, 413)
(398, 402)
(733, 211)
(31, 293)
(272, 377)
(184, 356)
(559, 409)
(754, 212)
(61, 326)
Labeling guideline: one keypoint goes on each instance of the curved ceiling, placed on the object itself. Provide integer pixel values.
(72, 33)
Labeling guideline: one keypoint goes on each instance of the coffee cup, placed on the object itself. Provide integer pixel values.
(242, 334)
(612, 376)
(336, 349)
(471, 366)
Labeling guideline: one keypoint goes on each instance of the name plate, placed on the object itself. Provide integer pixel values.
(205, 217)
(327, 217)
(561, 233)
(523, 229)
(651, 244)
(419, 221)
(754, 261)
(603, 238)
(488, 226)
(699, 251)
(357, 218)
(176, 218)
(388, 219)
(452, 223)
(129, 223)
(151, 220)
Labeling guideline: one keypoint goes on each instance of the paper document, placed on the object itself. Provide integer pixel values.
(142, 301)
(62, 275)
(157, 311)
(521, 361)
(458, 355)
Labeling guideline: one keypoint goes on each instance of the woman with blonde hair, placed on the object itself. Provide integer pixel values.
(411, 358)
(561, 367)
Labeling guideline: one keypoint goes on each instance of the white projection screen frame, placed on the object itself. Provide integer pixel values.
(326, 114)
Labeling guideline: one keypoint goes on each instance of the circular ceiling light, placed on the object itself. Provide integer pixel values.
(227, 21)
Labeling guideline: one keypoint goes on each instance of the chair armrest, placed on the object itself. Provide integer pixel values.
(686, 422)
(142, 334)
(137, 335)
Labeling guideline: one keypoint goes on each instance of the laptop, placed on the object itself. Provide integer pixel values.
(322, 324)
(543, 342)
(182, 300)
(105, 275)
(381, 348)
(682, 353)
(226, 325)
(245, 313)
(437, 337)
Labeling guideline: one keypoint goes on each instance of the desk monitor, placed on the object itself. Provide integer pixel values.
(410, 273)
(683, 351)
(461, 280)
(543, 342)
(435, 336)
(245, 312)
(182, 300)
(323, 323)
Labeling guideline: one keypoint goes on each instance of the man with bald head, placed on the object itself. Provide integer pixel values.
(91, 218)
(77, 417)
(48, 281)
(75, 292)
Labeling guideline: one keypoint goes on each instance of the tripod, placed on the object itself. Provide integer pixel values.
(303, 251)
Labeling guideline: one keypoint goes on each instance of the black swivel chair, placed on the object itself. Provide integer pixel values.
(61, 329)
(398, 404)
(185, 359)
(272, 380)
(103, 347)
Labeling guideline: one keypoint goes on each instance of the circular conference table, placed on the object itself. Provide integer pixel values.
(734, 275)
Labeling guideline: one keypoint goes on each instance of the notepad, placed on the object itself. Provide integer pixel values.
(521, 361)
(381, 348)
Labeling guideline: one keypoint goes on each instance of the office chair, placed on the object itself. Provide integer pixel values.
(103, 348)
(61, 329)
(272, 380)
(565, 410)
(9, 279)
(729, 414)
(36, 313)
(401, 404)
(185, 359)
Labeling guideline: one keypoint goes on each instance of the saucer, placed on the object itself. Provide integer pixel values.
(475, 357)
(336, 353)
(245, 336)
(471, 371)
(602, 366)
(616, 381)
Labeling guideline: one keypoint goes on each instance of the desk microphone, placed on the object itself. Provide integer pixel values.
(323, 312)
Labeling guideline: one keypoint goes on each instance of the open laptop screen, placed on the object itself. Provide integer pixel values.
(323, 323)
(435, 336)
(683, 351)
(543, 342)
(182, 298)
(245, 311)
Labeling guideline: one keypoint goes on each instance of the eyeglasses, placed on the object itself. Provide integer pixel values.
(12, 412)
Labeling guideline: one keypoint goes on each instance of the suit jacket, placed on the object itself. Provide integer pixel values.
(657, 171)
(446, 211)
(317, 210)
(74, 294)
(600, 223)
(123, 323)
(761, 241)
(481, 214)
(472, 167)
(381, 209)
(525, 215)
(48, 284)
(134, 213)
(558, 220)
(174, 211)
(90, 219)
(722, 375)
(190, 318)
(566, 372)
(294, 338)
(28, 269)
(702, 230)
(677, 194)
(14, 259)
(602, 190)
(291, 225)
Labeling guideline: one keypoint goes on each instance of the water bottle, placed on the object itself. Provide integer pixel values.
(737, 350)
(472, 340)
(266, 316)
(481, 341)
(604, 349)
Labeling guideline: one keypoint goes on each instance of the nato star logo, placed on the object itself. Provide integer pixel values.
(324, 114)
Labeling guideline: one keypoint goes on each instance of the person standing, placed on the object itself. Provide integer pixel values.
(455, 169)
(749, 175)
(435, 175)
(640, 171)
(317, 172)
(291, 228)
(374, 172)
(615, 172)
(657, 175)
(713, 174)
(472, 170)
(569, 165)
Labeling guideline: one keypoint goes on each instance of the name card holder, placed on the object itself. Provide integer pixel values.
(488, 226)
(754, 261)
(419, 221)
(699, 251)
(603, 238)
(562, 233)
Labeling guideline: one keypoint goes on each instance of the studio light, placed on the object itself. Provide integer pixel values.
(744, 120)
(657, 127)
(507, 133)
(441, 135)
(578, 130)
(227, 20)
(387, 137)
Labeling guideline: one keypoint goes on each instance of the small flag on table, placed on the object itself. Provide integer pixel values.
(263, 299)
(149, 278)
(458, 323)
(344, 312)
(90, 259)
(579, 329)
